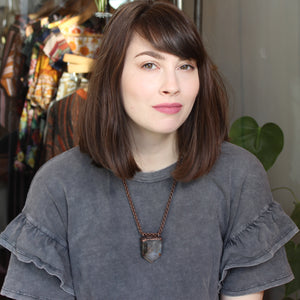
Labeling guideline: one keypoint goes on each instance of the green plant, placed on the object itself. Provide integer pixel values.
(101, 5)
(266, 143)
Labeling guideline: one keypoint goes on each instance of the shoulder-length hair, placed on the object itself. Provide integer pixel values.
(104, 130)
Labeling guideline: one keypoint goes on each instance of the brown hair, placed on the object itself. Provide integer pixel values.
(104, 132)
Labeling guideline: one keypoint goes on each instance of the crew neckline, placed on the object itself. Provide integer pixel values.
(154, 176)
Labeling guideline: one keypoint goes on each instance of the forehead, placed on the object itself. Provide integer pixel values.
(138, 45)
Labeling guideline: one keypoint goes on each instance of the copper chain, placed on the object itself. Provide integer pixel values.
(164, 218)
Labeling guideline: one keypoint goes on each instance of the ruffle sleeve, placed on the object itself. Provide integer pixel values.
(30, 242)
(254, 257)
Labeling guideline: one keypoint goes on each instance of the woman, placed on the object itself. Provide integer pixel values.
(154, 204)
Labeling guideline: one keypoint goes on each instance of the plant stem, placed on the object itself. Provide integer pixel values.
(257, 139)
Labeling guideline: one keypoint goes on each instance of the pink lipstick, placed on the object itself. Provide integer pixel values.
(168, 108)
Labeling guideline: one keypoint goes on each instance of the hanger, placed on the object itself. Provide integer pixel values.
(50, 7)
(81, 10)
(78, 64)
(80, 18)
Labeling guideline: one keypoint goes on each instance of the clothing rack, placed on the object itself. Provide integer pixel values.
(55, 48)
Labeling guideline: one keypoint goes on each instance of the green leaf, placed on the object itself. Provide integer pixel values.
(293, 254)
(264, 142)
(296, 215)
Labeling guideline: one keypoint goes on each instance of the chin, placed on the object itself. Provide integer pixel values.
(168, 130)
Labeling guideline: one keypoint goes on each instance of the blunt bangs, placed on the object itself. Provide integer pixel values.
(168, 30)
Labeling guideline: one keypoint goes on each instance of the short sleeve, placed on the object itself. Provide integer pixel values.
(254, 257)
(25, 281)
(37, 240)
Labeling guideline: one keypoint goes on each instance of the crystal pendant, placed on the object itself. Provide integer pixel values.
(151, 248)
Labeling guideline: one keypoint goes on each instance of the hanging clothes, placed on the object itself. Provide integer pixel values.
(43, 89)
(55, 47)
(13, 89)
(62, 119)
(12, 85)
(34, 53)
(31, 68)
(69, 83)
(43, 80)
(82, 39)
(12, 93)
(52, 42)
(11, 70)
(32, 124)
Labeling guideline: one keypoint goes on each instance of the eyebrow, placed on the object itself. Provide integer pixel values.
(151, 53)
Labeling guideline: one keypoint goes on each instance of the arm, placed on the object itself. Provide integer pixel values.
(40, 265)
(256, 296)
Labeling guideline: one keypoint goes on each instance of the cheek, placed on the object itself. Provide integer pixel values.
(136, 92)
(195, 92)
(196, 85)
(191, 86)
(130, 98)
(126, 91)
(192, 93)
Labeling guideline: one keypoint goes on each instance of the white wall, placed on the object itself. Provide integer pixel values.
(256, 45)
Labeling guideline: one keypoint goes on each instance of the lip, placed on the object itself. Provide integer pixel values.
(168, 108)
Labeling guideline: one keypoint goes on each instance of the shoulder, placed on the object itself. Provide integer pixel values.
(236, 161)
(237, 169)
(57, 176)
(66, 162)
(237, 155)
(72, 170)
(67, 176)
(71, 164)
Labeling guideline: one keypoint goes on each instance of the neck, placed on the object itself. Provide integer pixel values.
(153, 152)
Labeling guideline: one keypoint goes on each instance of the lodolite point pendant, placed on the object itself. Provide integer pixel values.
(151, 248)
(151, 243)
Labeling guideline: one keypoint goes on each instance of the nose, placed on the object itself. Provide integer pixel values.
(169, 83)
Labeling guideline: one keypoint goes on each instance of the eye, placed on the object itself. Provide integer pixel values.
(149, 66)
(187, 67)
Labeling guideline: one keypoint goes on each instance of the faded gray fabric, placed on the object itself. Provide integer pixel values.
(76, 237)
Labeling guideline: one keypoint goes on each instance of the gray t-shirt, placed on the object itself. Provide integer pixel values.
(77, 239)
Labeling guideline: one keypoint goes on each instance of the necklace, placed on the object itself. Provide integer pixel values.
(151, 243)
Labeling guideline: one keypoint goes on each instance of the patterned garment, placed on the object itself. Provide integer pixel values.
(33, 62)
(32, 46)
(12, 84)
(42, 82)
(32, 124)
(44, 85)
(82, 40)
(12, 67)
(61, 133)
(55, 47)
(12, 62)
(69, 83)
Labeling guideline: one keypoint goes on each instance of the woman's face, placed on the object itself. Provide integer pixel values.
(158, 88)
